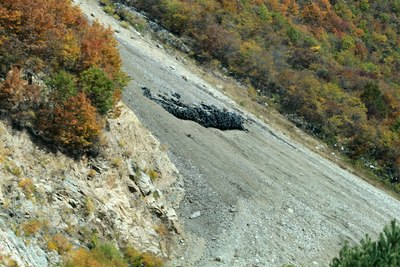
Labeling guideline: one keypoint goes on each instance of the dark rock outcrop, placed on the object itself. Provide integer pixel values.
(205, 115)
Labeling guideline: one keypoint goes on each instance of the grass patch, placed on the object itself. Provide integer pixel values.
(153, 174)
(32, 227)
(12, 168)
(106, 255)
(59, 243)
(89, 206)
(27, 187)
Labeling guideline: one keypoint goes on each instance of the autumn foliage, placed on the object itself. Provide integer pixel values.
(331, 66)
(72, 123)
(61, 73)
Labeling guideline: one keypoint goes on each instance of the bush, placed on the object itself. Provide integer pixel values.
(103, 256)
(99, 88)
(139, 259)
(59, 243)
(72, 124)
(383, 252)
(106, 255)
(63, 85)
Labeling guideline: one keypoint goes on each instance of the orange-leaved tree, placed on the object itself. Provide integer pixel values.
(72, 124)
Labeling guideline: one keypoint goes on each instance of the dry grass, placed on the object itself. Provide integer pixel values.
(4, 152)
(92, 173)
(117, 162)
(6, 261)
(59, 243)
(162, 230)
(89, 206)
(27, 187)
(32, 227)
(153, 174)
(10, 167)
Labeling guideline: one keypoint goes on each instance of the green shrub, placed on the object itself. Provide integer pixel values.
(99, 88)
(139, 259)
(109, 10)
(107, 255)
(63, 84)
(383, 252)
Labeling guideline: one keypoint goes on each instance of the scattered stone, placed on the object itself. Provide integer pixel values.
(91, 14)
(147, 93)
(117, 31)
(290, 210)
(184, 77)
(176, 95)
(218, 259)
(169, 38)
(159, 46)
(195, 215)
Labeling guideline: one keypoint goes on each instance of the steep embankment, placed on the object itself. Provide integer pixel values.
(253, 198)
(52, 204)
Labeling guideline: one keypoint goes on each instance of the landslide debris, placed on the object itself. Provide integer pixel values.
(205, 115)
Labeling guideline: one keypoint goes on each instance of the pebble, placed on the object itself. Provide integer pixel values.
(195, 215)
(218, 259)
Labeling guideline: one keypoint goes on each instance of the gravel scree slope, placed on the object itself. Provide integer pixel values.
(264, 200)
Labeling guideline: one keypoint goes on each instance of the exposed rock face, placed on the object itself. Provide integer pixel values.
(205, 115)
(43, 194)
(29, 254)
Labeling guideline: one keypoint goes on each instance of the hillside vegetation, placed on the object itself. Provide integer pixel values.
(383, 252)
(331, 66)
(59, 73)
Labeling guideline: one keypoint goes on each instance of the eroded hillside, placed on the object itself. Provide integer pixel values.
(52, 205)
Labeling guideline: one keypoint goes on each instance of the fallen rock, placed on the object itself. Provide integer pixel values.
(195, 215)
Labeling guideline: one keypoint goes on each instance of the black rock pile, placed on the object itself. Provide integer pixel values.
(205, 115)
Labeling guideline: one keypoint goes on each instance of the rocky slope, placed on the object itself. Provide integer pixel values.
(127, 195)
(254, 198)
